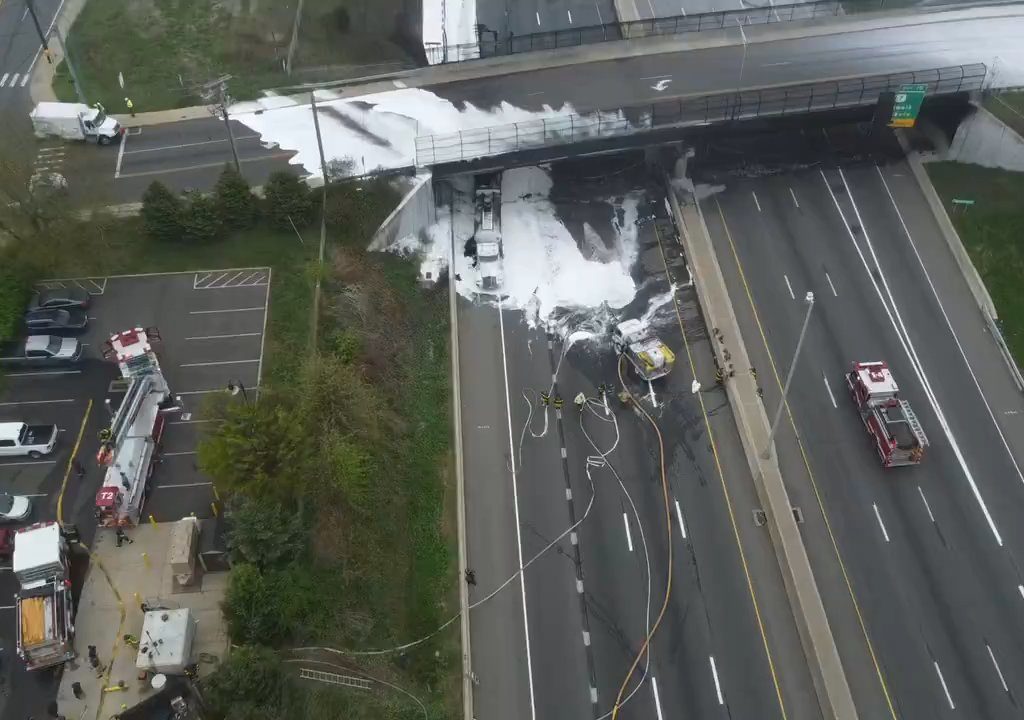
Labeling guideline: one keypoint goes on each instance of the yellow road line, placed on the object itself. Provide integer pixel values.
(810, 473)
(71, 463)
(725, 491)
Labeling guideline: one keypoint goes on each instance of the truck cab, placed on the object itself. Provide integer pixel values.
(40, 351)
(18, 438)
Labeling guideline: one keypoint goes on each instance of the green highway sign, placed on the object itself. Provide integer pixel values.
(907, 104)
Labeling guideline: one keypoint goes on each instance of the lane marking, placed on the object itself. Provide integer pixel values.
(569, 13)
(629, 537)
(789, 287)
(202, 166)
(926, 505)
(657, 698)
(3, 80)
(263, 331)
(600, 20)
(829, 278)
(999, 672)
(190, 422)
(718, 685)
(679, 517)
(220, 362)
(25, 78)
(538, 19)
(44, 372)
(183, 485)
(1020, 589)
(35, 402)
(829, 390)
(175, 454)
(756, 201)
(793, 195)
(908, 348)
(120, 155)
(515, 505)
(238, 138)
(210, 312)
(938, 671)
(28, 462)
(223, 337)
(880, 523)
(14, 79)
(207, 392)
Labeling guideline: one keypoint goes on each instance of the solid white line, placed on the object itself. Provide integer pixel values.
(184, 485)
(188, 145)
(120, 155)
(629, 538)
(190, 422)
(718, 685)
(942, 680)
(175, 454)
(600, 20)
(221, 337)
(1020, 589)
(829, 278)
(199, 280)
(231, 279)
(829, 389)
(538, 19)
(569, 13)
(949, 325)
(880, 523)
(7, 607)
(263, 332)
(35, 402)
(908, 348)
(207, 392)
(210, 312)
(992, 656)
(789, 287)
(515, 505)
(926, 505)
(221, 362)
(793, 195)
(29, 462)
(679, 517)
(44, 372)
(755, 200)
(657, 698)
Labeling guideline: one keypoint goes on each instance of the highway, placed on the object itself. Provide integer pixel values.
(562, 647)
(932, 563)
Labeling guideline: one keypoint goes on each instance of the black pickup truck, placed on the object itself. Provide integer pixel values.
(40, 351)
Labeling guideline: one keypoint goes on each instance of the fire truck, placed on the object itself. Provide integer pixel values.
(898, 435)
(129, 447)
(649, 356)
(44, 605)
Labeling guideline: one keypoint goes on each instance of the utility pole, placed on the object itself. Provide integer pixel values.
(30, 6)
(217, 90)
(323, 214)
(809, 299)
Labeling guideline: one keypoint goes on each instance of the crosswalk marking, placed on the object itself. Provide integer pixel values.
(14, 79)
(25, 79)
(3, 80)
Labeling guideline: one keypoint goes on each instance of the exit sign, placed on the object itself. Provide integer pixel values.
(906, 105)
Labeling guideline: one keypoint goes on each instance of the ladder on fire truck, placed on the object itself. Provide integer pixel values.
(912, 421)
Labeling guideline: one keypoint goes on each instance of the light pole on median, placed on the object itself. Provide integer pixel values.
(767, 453)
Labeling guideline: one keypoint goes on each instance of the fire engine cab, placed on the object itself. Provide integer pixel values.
(899, 437)
(129, 447)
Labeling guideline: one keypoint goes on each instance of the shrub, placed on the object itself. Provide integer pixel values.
(287, 197)
(264, 532)
(162, 212)
(201, 221)
(246, 686)
(235, 201)
(14, 292)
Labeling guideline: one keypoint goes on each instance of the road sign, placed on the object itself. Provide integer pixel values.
(907, 104)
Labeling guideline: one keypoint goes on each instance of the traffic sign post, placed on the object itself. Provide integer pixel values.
(907, 105)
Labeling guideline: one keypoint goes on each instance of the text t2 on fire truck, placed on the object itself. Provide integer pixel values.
(129, 448)
(46, 629)
(899, 437)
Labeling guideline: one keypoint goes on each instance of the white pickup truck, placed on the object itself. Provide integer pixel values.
(18, 438)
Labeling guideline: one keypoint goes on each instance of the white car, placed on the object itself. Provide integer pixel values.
(14, 507)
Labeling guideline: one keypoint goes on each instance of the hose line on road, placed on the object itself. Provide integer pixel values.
(668, 532)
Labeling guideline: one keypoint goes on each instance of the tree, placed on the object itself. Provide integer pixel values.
(254, 608)
(14, 293)
(162, 212)
(235, 201)
(287, 197)
(246, 686)
(201, 221)
(265, 533)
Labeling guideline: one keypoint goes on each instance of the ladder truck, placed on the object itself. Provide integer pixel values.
(129, 447)
(889, 419)
(45, 609)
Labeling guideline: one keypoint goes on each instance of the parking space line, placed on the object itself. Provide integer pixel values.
(207, 392)
(221, 337)
(219, 362)
(210, 312)
(191, 422)
(29, 462)
(263, 338)
(202, 166)
(184, 485)
(188, 145)
(44, 372)
(183, 452)
(120, 156)
(35, 402)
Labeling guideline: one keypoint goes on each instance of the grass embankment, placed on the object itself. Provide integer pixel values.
(166, 49)
(992, 230)
(1008, 107)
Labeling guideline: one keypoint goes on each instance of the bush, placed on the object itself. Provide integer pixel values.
(253, 608)
(15, 289)
(235, 201)
(162, 212)
(201, 220)
(287, 197)
(246, 686)
(265, 533)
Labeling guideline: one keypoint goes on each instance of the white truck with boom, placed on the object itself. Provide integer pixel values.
(889, 419)
(45, 608)
(75, 121)
(129, 447)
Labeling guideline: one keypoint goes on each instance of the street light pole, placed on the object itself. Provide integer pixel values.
(235, 387)
(767, 453)
(743, 60)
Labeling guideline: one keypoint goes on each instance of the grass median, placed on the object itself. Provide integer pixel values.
(991, 230)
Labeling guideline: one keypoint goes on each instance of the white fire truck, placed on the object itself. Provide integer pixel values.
(130, 447)
(899, 437)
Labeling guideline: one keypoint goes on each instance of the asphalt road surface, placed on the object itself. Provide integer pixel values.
(563, 646)
(20, 49)
(523, 17)
(932, 552)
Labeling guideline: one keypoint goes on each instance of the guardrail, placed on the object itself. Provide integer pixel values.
(684, 112)
(489, 44)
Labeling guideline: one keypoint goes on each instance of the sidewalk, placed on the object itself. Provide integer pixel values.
(118, 581)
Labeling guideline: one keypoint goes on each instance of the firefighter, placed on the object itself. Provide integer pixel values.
(545, 399)
(557, 402)
(718, 375)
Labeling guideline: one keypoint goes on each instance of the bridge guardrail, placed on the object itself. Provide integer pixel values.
(688, 111)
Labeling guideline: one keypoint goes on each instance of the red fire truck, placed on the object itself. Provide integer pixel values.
(898, 435)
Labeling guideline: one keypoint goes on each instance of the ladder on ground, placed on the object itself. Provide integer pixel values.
(913, 422)
(334, 678)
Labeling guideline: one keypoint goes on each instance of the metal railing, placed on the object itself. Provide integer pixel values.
(489, 44)
(685, 112)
